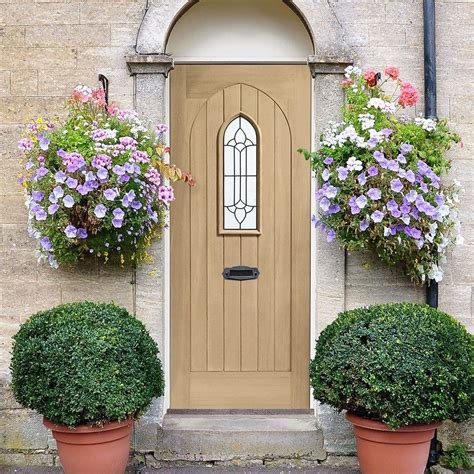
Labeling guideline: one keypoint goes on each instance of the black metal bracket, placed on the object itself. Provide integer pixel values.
(105, 85)
(240, 273)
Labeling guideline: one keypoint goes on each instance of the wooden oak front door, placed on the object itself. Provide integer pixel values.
(240, 344)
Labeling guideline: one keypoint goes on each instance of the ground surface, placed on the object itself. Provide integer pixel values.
(188, 469)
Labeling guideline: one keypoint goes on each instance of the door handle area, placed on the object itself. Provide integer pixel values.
(240, 273)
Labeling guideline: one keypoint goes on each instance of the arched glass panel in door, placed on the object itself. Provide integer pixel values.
(240, 176)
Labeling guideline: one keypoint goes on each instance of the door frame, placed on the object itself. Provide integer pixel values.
(167, 243)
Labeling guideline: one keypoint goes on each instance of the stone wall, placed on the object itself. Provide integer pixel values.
(47, 47)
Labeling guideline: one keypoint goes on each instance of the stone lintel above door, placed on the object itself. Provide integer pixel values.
(318, 65)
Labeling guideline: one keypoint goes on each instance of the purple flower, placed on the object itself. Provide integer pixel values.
(439, 199)
(53, 208)
(41, 171)
(386, 131)
(410, 176)
(118, 170)
(43, 141)
(392, 205)
(314, 220)
(324, 204)
(333, 208)
(361, 202)
(355, 209)
(342, 173)
(396, 212)
(363, 226)
(58, 192)
(401, 159)
(110, 194)
(372, 142)
(325, 174)
(118, 213)
(83, 189)
(117, 223)
(396, 185)
(415, 233)
(68, 201)
(100, 211)
(405, 208)
(331, 235)
(52, 198)
(40, 214)
(405, 219)
(405, 148)
(125, 178)
(331, 191)
(37, 196)
(411, 196)
(377, 216)
(137, 205)
(374, 193)
(362, 179)
(393, 165)
(129, 168)
(161, 128)
(71, 183)
(25, 144)
(423, 168)
(140, 156)
(328, 160)
(60, 177)
(379, 156)
(102, 161)
(46, 244)
(373, 171)
(82, 233)
(128, 142)
(70, 231)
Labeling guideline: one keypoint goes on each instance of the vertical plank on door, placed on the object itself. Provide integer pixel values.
(283, 193)
(215, 242)
(249, 257)
(180, 239)
(198, 231)
(266, 241)
(231, 258)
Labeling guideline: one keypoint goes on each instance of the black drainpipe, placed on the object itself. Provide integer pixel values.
(430, 112)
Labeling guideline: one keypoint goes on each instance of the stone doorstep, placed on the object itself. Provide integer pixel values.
(190, 437)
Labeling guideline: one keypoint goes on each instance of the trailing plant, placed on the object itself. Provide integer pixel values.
(380, 177)
(399, 363)
(85, 363)
(96, 183)
(457, 456)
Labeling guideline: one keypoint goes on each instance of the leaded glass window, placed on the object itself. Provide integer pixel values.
(240, 175)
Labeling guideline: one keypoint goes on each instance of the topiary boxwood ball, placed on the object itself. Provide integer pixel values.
(85, 363)
(397, 363)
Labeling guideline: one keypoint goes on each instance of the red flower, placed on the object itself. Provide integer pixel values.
(392, 71)
(347, 82)
(370, 77)
(408, 95)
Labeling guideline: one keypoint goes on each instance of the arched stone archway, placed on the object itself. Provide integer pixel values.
(318, 18)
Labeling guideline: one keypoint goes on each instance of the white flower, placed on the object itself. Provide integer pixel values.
(435, 273)
(352, 71)
(353, 164)
(381, 104)
(427, 124)
(366, 120)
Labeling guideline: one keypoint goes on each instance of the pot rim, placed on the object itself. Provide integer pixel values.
(380, 426)
(108, 426)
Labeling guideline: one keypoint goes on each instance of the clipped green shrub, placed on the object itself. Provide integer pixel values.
(398, 363)
(457, 456)
(85, 363)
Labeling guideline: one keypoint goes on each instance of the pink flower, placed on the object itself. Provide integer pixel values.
(370, 77)
(392, 72)
(408, 95)
(347, 83)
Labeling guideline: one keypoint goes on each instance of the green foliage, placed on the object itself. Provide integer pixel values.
(457, 456)
(399, 363)
(85, 363)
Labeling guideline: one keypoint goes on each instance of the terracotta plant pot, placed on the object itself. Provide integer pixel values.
(86, 450)
(383, 450)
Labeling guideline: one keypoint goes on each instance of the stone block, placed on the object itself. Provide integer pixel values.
(4, 83)
(19, 266)
(387, 34)
(338, 435)
(27, 459)
(123, 35)
(39, 14)
(106, 57)
(7, 400)
(23, 109)
(22, 430)
(9, 135)
(456, 300)
(357, 295)
(229, 437)
(12, 35)
(68, 35)
(37, 58)
(461, 109)
(111, 12)
(15, 236)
